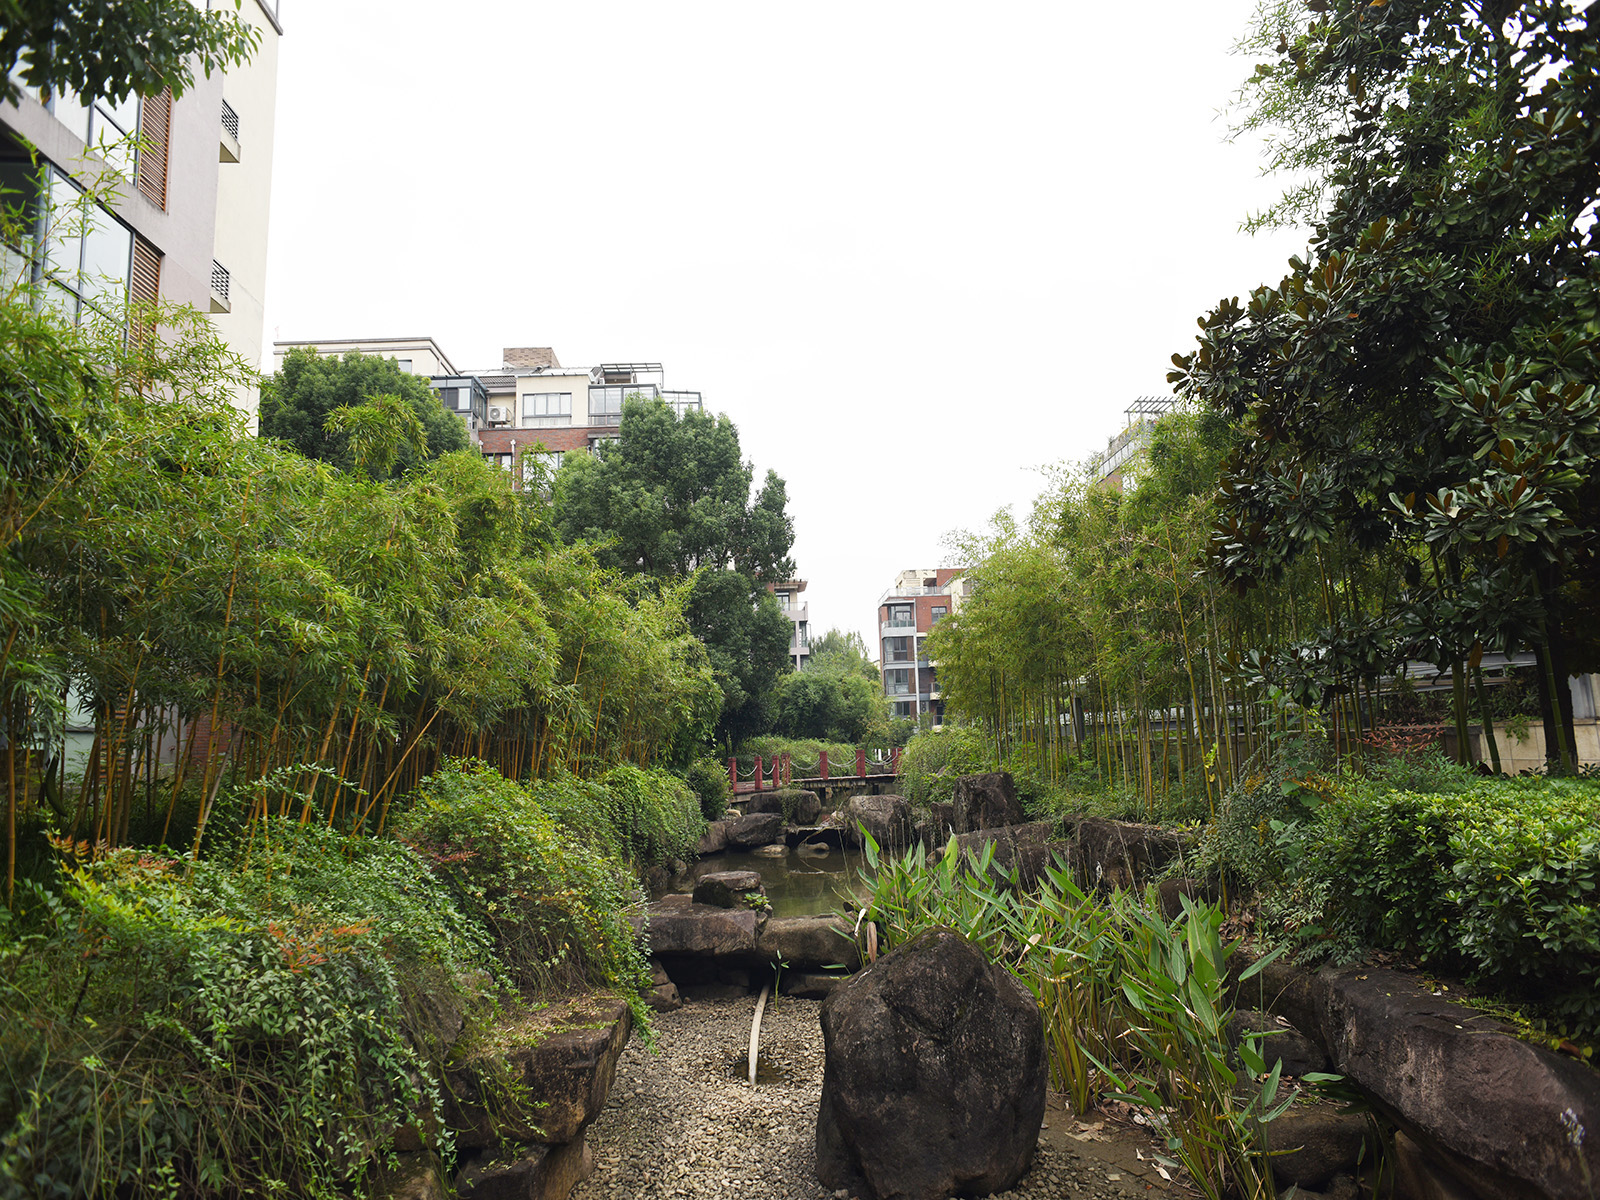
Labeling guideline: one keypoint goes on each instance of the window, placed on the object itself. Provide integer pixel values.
(940, 612)
(547, 408)
(897, 683)
(905, 708)
(463, 399)
(783, 600)
(79, 250)
(896, 649)
(901, 616)
(404, 364)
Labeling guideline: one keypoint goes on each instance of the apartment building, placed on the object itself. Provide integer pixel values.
(799, 613)
(155, 198)
(527, 407)
(1122, 452)
(907, 613)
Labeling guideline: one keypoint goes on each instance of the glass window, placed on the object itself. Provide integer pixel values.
(547, 404)
(900, 616)
(404, 364)
(940, 611)
(463, 399)
(71, 111)
(897, 649)
(63, 250)
(107, 256)
(112, 130)
(897, 682)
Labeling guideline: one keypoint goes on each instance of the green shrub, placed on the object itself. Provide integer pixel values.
(250, 1026)
(935, 759)
(709, 781)
(634, 816)
(1501, 880)
(553, 903)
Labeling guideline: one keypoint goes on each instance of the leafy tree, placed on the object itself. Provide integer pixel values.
(297, 402)
(829, 705)
(843, 653)
(1422, 383)
(671, 500)
(101, 49)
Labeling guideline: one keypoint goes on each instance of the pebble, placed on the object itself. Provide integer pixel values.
(683, 1122)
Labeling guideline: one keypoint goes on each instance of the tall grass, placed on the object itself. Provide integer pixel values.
(1135, 1006)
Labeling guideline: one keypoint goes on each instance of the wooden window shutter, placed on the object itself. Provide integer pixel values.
(155, 127)
(144, 288)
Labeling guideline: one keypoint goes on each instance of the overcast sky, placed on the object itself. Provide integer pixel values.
(915, 251)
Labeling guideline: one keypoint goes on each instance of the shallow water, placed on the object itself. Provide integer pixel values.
(798, 885)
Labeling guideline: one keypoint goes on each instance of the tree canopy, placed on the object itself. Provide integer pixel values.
(113, 50)
(836, 698)
(298, 401)
(671, 499)
(1422, 383)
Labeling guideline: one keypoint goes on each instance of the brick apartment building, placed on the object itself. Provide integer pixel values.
(907, 612)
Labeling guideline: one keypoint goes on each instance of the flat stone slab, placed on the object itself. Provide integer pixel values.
(806, 943)
(700, 930)
(831, 836)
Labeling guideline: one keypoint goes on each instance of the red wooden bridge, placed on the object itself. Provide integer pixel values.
(779, 772)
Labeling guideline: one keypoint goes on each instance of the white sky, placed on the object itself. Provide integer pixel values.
(914, 250)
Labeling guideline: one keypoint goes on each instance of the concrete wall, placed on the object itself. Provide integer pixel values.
(1528, 754)
(243, 202)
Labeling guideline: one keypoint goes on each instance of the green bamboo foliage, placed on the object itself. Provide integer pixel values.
(226, 608)
(1096, 639)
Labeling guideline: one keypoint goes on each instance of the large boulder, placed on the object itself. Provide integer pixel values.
(1281, 1042)
(727, 889)
(752, 829)
(796, 805)
(934, 1075)
(1025, 849)
(886, 818)
(1500, 1109)
(535, 1172)
(542, 1077)
(714, 840)
(987, 801)
(1122, 854)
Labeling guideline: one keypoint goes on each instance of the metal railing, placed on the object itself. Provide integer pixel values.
(220, 280)
(230, 120)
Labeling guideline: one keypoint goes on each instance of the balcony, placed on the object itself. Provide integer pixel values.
(683, 402)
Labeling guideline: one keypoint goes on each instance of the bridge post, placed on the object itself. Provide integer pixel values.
(758, 772)
(894, 760)
(824, 764)
(733, 775)
(861, 763)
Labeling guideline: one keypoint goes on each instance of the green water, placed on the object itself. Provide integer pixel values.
(798, 885)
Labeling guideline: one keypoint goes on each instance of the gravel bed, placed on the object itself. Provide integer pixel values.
(683, 1122)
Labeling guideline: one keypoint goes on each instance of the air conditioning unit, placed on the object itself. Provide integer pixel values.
(498, 415)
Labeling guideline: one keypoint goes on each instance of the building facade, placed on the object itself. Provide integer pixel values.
(799, 613)
(529, 408)
(153, 199)
(907, 613)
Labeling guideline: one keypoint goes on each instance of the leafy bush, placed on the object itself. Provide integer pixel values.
(249, 1026)
(935, 759)
(552, 901)
(1501, 880)
(709, 781)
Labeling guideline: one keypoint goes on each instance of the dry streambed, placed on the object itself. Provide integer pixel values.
(683, 1122)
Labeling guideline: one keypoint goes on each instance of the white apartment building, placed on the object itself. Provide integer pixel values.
(153, 198)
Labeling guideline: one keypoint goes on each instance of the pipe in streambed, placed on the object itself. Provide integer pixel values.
(755, 1031)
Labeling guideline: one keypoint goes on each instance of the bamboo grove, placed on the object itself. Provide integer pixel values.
(250, 631)
(1095, 645)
